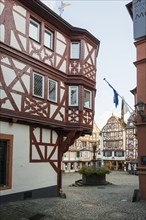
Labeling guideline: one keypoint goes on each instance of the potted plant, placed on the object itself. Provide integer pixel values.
(94, 175)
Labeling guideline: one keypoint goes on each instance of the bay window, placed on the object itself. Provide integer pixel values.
(73, 95)
(52, 90)
(75, 50)
(87, 99)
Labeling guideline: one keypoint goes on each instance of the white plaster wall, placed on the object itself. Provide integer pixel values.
(14, 42)
(1, 7)
(2, 33)
(20, 10)
(20, 21)
(26, 175)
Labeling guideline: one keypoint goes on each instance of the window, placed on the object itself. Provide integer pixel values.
(87, 98)
(72, 166)
(84, 144)
(34, 30)
(75, 50)
(6, 144)
(73, 95)
(52, 94)
(65, 166)
(38, 85)
(107, 153)
(119, 154)
(78, 154)
(48, 39)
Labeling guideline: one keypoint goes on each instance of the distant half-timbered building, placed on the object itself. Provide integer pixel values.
(119, 144)
(131, 146)
(113, 144)
(81, 152)
(47, 92)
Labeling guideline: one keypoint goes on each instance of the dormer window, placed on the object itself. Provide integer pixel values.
(75, 50)
(34, 30)
(73, 95)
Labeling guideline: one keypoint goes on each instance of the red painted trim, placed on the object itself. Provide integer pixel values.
(9, 139)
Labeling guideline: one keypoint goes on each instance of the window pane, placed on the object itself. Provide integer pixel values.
(87, 98)
(52, 90)
(3, 160)
(73, 95)
(34, 29)
(38, 85)
(48, 39)
(78, 154)
(75, 50)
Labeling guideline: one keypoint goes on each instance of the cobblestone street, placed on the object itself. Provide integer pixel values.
(109, 202)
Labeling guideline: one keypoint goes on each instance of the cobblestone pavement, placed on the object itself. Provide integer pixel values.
(109, 202)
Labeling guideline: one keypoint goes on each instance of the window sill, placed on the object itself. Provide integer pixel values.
(5, 187)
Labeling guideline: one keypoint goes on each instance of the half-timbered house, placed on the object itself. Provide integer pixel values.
(113, 144)
(81, 152)
(47, 92)
(131, 145)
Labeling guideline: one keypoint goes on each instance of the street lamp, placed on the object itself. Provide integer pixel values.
(140, 107)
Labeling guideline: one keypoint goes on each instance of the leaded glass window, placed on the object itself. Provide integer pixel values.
(52, 96)
(38, 85)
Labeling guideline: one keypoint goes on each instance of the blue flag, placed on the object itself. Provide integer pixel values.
(115, 99)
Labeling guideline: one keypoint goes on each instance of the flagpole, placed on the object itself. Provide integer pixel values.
(120, 96)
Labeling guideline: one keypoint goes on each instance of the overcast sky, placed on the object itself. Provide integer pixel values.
(110, 23)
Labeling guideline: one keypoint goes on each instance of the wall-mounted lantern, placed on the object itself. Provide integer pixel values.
(140, 107)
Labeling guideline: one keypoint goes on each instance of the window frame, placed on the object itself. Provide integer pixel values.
(9, 154)
(90, 101)
(72, 55)
(56, 91)
(107, 154)
(49, 32)
(119, 154)
(42, 97)
(35, 24)
(76, 95)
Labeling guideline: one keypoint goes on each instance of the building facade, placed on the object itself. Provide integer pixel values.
(137, 11)
(116, 148)
(48, 77)
(119, 145)
(131, 146)
(113, 144)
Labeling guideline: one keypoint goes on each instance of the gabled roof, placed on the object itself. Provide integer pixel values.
(110, 119)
